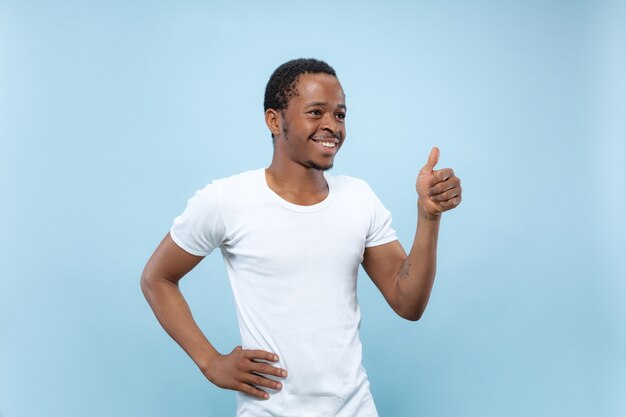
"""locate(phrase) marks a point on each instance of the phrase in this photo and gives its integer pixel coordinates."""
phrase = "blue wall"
(113, 113)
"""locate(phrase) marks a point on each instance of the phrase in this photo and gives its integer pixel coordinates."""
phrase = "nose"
(330, 124)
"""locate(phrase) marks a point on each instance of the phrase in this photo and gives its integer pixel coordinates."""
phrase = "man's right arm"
(239, 369)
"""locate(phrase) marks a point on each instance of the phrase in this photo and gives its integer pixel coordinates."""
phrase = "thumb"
(433, 158)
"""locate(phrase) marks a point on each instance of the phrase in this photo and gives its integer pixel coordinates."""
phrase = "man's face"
(313, 124)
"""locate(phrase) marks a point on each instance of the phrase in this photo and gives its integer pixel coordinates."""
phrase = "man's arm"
(239, 369)
(406, 281)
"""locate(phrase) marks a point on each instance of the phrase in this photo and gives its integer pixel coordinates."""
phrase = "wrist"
(422, 213)
(206, 363)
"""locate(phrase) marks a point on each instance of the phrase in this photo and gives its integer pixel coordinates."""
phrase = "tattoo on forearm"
(404, 269)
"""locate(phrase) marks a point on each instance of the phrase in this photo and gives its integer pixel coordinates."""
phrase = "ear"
(273, 121)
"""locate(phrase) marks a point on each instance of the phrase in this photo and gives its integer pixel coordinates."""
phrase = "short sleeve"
(380, 230)
(200, 227)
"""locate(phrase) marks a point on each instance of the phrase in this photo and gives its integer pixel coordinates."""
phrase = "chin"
(315, 165)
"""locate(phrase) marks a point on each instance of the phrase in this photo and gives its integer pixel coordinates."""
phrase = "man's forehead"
(340, 105)
(311, 85)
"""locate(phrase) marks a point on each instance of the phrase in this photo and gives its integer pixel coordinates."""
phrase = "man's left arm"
(406, 281)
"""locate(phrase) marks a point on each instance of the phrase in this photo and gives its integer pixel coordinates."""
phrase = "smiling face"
(310, 131)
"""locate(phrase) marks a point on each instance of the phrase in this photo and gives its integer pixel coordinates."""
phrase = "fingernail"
(278, 386)
(266, 396)
(284, 373)
(275, 358)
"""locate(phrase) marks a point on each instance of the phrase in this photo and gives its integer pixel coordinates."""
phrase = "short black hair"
(281, 86)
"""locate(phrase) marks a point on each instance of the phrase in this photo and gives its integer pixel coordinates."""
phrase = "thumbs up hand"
(437, 190)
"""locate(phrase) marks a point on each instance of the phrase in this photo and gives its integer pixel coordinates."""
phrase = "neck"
(296, 183)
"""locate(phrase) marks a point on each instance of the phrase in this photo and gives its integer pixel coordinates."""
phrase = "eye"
(341, 116)
(316, 112)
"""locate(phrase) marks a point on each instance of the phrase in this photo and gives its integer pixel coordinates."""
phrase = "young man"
(292, 237)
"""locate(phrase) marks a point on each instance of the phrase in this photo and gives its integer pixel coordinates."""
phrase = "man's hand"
(438, 190)
(240, 371)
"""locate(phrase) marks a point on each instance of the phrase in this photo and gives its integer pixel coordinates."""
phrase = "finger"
(260, 354)
(263, 368)
(451, 203)
(261, 381)
(444, 186)
(445, 196)
(433, 158)
(250, 390)
(441, 175)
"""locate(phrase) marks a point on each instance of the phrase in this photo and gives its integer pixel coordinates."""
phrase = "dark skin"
(316, 116)
(308, 134)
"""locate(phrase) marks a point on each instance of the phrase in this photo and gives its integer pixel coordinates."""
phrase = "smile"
(330, 144)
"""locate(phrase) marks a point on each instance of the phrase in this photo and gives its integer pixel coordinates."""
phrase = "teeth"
(325, 144)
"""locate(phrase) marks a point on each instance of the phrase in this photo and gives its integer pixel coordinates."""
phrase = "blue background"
(113, 113)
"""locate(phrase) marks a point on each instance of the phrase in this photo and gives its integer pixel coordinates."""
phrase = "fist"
(437, 190)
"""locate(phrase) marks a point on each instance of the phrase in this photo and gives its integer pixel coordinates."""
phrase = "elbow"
(144, 284)
(411, 314)
(412, 317)
(154, 282)
(147, 283)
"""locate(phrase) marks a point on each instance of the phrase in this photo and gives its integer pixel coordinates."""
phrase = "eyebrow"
(321, 103)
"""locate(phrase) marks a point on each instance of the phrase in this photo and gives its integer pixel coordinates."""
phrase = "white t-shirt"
(293, 272)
